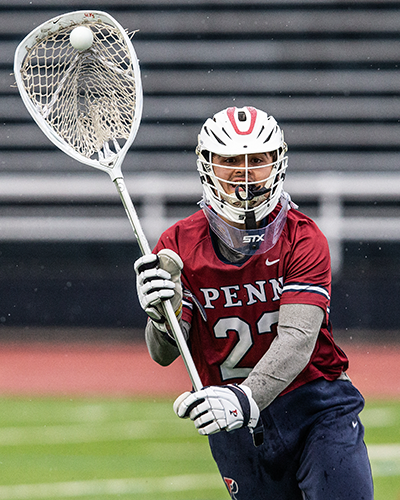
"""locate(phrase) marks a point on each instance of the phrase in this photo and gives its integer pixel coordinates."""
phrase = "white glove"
(158, 279)
(217, 408)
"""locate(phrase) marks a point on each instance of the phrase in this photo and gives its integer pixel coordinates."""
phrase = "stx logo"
(253, 238)
(232, 486)
(233, 412)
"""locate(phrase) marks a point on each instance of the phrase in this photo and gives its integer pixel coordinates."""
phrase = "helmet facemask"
(246, 198)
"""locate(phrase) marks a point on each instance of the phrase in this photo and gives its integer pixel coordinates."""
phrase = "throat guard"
(249, 241)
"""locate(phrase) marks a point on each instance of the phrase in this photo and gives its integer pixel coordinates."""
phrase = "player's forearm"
(161, 348)
(289, 353)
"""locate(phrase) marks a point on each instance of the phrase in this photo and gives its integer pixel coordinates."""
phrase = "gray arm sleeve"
(289, 353)
(160, 348)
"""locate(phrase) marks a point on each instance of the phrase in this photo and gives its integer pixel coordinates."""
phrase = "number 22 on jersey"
(229, 368)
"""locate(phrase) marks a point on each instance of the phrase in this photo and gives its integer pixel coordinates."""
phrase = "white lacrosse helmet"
(234, 132)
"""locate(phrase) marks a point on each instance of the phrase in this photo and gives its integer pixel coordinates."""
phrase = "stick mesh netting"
(88, 98)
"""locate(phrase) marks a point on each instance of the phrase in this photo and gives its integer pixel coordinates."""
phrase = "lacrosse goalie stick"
(89, 104)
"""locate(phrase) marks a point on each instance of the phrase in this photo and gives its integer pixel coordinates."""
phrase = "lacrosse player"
(249, 278)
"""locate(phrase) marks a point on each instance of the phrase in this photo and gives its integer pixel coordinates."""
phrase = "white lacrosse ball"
(81, 38)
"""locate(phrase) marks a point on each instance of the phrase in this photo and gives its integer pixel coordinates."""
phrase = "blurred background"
(328, 72)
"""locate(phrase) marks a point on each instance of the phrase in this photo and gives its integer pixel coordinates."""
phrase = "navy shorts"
(313, 448)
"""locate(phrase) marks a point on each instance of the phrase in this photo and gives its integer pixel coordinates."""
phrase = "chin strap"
(252, 192)
(250, 220)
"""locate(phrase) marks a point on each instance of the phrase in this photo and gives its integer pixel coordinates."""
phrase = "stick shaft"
(168, 309)
(182, 345)
(132, 216)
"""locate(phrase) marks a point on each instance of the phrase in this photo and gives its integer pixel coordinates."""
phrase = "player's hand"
(217, 408)
(158, 279)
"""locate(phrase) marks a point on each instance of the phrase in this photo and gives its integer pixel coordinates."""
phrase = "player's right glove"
(217, 408)
(158, 279)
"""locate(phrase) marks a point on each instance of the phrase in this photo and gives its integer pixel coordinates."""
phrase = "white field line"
(385, 462)
(84, 433)
(385, 459)
(384, 451)
(379, 417)
(131, 429)
(133, 486)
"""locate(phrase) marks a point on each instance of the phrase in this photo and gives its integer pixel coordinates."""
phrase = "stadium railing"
(86, 207)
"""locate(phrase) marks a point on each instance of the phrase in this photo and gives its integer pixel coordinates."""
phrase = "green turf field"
(107, 449)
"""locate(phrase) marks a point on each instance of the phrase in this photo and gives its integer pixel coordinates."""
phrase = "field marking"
(378, 417)
(385, 462)
(384, 451)
(85, 433)
(130, 486)
(385, 459)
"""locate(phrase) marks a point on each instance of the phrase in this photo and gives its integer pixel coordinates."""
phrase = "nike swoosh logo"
(271, 262)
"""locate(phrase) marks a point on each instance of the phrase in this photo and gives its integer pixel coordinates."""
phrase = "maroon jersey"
(241, 302)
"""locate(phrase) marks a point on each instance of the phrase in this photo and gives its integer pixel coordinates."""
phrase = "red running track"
(39, 369)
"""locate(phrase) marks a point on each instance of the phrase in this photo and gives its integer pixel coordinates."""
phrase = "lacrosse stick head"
(88, 103)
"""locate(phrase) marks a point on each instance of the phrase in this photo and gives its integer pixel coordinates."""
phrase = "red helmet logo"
(231, 115)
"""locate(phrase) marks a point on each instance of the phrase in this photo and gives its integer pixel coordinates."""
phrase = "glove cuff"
(159, 325)
(253, 409)
(255, 423)
(160, 322)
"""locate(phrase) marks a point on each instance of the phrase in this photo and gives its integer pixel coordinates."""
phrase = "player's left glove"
(159, 279)
(217, 408)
